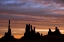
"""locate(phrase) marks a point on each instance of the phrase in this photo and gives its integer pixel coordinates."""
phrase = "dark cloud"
(56, 1)
(59, 1)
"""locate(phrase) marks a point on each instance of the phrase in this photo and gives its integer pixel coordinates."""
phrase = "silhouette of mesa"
(31, 34)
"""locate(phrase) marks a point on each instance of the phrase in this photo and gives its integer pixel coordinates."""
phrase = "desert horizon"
(18, 32)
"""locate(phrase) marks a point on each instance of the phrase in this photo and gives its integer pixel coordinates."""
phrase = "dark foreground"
(34, 41)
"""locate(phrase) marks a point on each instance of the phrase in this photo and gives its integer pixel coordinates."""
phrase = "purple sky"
(40, 13)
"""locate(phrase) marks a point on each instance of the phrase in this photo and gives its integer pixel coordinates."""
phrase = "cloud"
(40, 13)
(23, 6)
(10, 9)
(31, 10)
(56, 1)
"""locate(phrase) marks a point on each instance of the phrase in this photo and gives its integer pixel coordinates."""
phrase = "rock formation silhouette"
(8, 35)
(56, 32)
(31, 34)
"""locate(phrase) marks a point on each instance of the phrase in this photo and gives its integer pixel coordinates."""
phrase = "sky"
(42, 14)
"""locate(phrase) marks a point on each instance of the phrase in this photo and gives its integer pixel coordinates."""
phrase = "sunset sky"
(43, 14)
